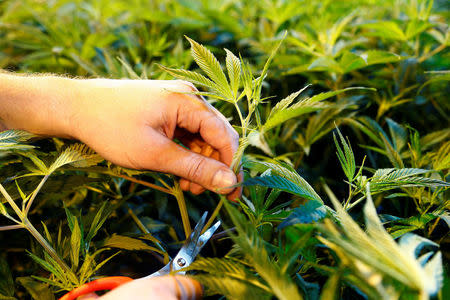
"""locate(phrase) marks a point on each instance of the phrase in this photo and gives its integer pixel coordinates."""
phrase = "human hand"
(156, 288)
(132, 123)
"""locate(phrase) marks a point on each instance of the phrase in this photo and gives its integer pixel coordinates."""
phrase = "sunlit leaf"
(282, 178)
(304, 106)
(385, 29)
(385, 179)
(11, 140)
(234, 71)
(191, 76)
(378, 251)
(210, 65)
(78, 155)
(345, 156)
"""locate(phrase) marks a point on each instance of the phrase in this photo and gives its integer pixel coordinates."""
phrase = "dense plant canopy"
(342, 109)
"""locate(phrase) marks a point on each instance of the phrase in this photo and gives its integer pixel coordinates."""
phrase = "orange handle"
(108, 283)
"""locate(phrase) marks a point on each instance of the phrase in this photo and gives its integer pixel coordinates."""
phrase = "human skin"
(157, 288)
(131, 123)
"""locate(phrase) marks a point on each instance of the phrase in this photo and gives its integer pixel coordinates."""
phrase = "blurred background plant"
(284, 238)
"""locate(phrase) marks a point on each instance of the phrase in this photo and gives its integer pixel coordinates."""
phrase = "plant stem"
(25, 223)
(11, 202)
(433, 226)
(241, 118)
(11, 227)
(356, 202)
(36, 191)
(430, 54)
(142, 182)
(178, 193)
(47, 247)
(214, 214)
(132, 179)
(349, 196)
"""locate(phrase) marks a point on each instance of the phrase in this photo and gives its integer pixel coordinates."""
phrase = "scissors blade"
(190, 249)
(191, 242)
(204, 238)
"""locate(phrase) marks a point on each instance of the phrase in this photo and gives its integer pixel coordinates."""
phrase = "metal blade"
(191, 248)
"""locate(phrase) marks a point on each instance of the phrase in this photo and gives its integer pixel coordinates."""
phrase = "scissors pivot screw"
(190, 249)
(181, 262)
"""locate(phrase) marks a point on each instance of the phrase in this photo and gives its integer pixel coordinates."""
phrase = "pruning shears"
(190, 249)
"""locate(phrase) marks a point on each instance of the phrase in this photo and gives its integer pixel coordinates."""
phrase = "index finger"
(197, 116)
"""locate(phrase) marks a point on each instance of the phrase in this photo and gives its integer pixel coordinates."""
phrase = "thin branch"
(10, 227)
(178, 193)
(129, 178)
(356, 202)
(241, 118)
(11, 202)
(214, 214)
(430, 54)
(12, 219)
(36, 191)
(49, 249)
(142, 182)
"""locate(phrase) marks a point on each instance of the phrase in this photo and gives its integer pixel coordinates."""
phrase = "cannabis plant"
(342, 111)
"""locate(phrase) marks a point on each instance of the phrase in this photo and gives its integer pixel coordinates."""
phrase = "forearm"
(41, 104)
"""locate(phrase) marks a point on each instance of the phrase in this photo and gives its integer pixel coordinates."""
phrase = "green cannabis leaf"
(11, 140)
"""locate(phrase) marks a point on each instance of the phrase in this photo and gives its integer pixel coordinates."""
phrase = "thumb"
(207, 172)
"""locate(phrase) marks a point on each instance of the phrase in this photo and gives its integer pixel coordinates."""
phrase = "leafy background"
(334, 172)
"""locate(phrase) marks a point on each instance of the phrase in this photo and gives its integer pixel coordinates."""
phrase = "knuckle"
(185, 86)
(197, 167)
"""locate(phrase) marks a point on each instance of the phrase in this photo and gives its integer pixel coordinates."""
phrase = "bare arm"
(129, 122)
(38, 104)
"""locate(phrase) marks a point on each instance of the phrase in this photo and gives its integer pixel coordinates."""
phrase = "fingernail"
(223, 179)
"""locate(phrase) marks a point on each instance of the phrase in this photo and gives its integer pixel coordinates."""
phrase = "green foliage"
(36, 289)
(289, 74)
(6, 281)
(374, 252)
(272, 280)
(10, 140)
(385, 179)
(304, 106)
(345, 156)
(311, 211)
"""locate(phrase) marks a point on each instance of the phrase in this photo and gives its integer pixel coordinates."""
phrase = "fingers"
(157, 288)
(197, 116)
(221, 141)
(198, 146)
(193, 187)
(237, 192)
(207, 172)
(187, 288)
